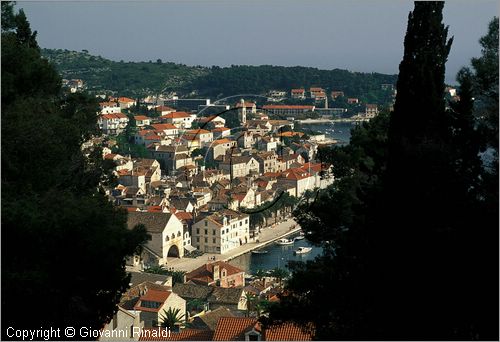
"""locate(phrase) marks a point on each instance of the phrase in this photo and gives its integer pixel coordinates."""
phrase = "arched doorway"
(173, 251)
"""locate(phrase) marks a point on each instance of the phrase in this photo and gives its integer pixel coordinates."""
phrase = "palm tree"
(171, 318)
(259, 274)
(250, 299)
(280, 274)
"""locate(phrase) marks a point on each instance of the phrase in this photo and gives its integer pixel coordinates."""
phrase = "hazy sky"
(356, 35)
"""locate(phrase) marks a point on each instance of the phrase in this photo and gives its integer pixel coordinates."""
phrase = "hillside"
(126, 78)
(139, 78)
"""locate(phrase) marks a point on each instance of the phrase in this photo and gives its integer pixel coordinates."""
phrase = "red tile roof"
(198, 131)
(298, 90)
(184, 216)
(114, 116)
(162, 127)
(177, 115)
(233, 328)
(125, 99)
(295, 174)
(221, 141)
(141, 117)
(204, 273)
(159, 334)
(152, 296)
(287, 332)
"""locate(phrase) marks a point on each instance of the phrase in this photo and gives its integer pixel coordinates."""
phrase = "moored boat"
(302, 250)
(284, 242)
(260, 252)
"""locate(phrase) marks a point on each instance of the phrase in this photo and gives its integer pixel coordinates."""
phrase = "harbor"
(267, 236)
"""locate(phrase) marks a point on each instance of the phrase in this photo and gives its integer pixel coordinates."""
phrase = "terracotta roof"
(233, 328)
(125, 99)
(371, 106)
(313, 89)
(295, 174)
(204, 273)
(160, 334)
(114, 116)
(184, 216)
(177, 115)
(287, 332)
(198, 131)
(110, 156)
(141, 117)
(162, 127)
(298, 90)
(221, 141)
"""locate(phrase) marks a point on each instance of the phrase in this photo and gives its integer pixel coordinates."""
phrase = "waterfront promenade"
(320, 121)
(267, 235)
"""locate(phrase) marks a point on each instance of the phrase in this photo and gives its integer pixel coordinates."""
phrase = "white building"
(221, 232)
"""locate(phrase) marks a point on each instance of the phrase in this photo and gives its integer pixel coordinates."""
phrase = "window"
(206, 223)
(197, 239)
(206, 240)
(178, 233)
(213, 232)
(241, 223)
(213, 240)
(246, 220)
(198, 231)
(206, 231)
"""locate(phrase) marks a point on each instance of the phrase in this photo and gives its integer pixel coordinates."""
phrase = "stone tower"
(242, 112)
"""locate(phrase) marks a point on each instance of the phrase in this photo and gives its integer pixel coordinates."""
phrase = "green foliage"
(53, 202)
(171, 318)
(177, 276)
(141, 78)
(408, 200)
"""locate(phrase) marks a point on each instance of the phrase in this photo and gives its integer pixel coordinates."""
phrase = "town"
(210, 181)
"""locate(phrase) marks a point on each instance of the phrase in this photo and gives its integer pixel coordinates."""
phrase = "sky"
(358, 35)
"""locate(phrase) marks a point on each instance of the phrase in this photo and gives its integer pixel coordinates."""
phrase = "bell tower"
(242, 112)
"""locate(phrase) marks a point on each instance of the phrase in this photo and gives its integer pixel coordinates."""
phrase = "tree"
(404, 208)
(53, 198)
(171, 318)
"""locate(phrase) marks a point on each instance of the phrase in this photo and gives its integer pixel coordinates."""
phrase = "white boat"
(284, 242)
(302, 250)
(260, 252)
(300, 236)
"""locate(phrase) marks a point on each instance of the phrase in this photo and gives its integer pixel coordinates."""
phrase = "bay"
(277, 256)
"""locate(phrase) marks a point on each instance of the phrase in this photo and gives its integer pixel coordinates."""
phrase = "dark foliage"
(409, 233)
(63, 243)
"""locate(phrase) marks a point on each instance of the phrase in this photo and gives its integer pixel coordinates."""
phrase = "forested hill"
(137, 78)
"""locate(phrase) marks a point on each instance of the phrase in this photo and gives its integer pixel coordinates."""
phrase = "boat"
(284, 242)
(260, 252)
(302, 250)
(300, 236)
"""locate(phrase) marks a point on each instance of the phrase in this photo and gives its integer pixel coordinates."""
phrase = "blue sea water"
(277, 256)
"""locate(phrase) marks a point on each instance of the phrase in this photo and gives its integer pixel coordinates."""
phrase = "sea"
(277, 256)
(340, 131)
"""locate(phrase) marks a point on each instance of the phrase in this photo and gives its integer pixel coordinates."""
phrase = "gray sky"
(357, 35)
